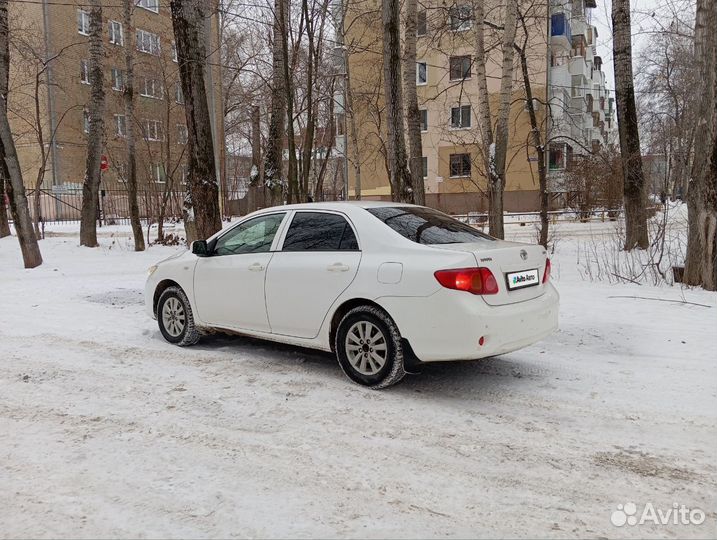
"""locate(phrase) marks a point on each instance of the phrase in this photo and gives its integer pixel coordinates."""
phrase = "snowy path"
(107, 431)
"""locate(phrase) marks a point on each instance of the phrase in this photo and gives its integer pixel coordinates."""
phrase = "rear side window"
(316, 231)
(428, 226)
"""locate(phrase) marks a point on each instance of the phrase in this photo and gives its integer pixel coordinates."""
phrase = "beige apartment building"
(49, 64)
(447, 94)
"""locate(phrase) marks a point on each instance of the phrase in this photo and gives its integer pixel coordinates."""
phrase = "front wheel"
(368, 347)
(175, 318)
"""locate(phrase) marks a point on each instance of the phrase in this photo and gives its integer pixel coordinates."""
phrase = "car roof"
(336, 205)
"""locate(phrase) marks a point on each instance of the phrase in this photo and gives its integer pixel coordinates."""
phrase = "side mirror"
(200, 248)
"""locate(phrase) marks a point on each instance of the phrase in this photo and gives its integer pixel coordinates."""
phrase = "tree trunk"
(399, 176)
(4, 75)
(11, 171)
(634, 179)
(273, 159)
(201, 203)
(91, 186)
(537, 142)
(495, 147)
(129, 121)
(349, 109)
(4, 224)
(701, 260)
(413, 115)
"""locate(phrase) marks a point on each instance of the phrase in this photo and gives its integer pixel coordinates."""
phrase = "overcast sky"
(642, 19)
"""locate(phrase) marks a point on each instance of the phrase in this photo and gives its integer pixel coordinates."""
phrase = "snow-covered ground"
(108, 431)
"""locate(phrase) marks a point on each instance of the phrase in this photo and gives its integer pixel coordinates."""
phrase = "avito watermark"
(678, 514)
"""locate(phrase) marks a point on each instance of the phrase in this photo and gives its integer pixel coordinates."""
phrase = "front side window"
(182, 134)
(178, 95)
(317, 231)
(253, 236)
(428, 226)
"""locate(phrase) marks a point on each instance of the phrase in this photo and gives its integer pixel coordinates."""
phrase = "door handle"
(256, 267)
(337, 267)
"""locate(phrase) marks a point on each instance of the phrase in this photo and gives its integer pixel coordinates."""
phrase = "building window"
(152, 130)
(148, 42)
(151, 5)
(85, 71)
(178, 94)
(86, 121)
(184, 173)
(421, 73)
(120, 125)
(117, 79)
(423, 113)
(421, 23)
(460, 17)
(556, 157)
(83, 22)
(182, 134)
(175, 57)
(116, 33)
(460, 165)
(159, 175)
(424, 166)
(460, 67)
(461, 117)
(151, 88)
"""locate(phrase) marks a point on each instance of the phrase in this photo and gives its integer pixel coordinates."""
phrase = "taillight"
(472, 280)
(546, 274)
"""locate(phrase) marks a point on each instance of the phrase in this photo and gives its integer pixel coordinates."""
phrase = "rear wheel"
(175, 318)
(368, 347)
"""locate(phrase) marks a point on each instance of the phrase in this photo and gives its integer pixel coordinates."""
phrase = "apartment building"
(50, 88)
(582, 107)
(448, 97)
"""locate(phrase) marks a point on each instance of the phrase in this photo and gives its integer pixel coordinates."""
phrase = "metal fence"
(66, 205)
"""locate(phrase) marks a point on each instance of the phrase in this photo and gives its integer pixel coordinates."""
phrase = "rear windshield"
(427, 226)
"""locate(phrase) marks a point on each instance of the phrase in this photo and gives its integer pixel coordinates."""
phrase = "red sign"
(104, 163)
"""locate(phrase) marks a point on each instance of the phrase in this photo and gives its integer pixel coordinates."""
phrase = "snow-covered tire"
(362, 365)
(175, 318)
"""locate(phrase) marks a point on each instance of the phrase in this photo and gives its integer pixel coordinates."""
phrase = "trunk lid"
(521, 264)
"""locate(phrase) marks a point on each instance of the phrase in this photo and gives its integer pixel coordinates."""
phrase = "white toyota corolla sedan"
(385, 286)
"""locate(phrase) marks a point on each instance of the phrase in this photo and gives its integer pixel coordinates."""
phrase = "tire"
(175, 318)
(362, 360)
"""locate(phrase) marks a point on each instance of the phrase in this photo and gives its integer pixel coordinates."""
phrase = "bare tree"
(634, 184)
(495, 144)
(701, 263)
(4, 224)
(400, 176)
(201, 205)
(273, 163)
(413, 115)
(128, 6)
(8, 158)
(96, 110)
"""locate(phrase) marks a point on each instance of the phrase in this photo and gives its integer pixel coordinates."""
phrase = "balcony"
(578, 66)
(560, 34)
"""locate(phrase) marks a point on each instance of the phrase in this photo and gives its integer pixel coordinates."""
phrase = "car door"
(318, 260)
(229, 284)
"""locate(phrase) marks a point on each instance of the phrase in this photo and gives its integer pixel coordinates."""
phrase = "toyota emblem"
(523, 254)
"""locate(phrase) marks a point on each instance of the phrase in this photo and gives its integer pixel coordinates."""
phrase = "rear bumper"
(449, 324)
